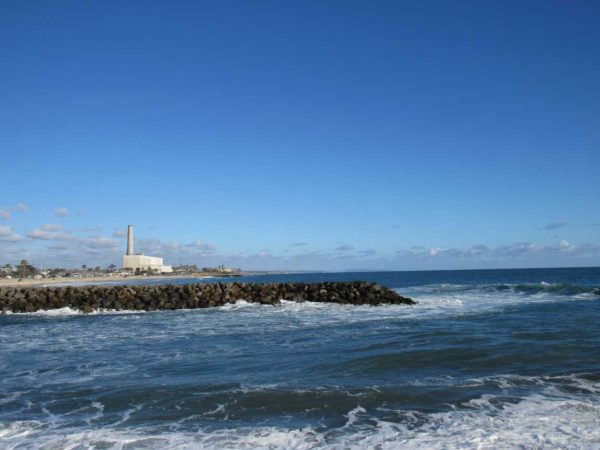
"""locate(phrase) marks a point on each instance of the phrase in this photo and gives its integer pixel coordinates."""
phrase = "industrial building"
(140, 261)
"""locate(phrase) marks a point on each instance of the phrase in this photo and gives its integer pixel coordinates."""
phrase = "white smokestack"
(129, 240)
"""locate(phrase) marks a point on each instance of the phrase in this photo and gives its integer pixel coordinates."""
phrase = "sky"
(301, 135)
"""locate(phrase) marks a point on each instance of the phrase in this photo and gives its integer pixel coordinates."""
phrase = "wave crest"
(565, 289)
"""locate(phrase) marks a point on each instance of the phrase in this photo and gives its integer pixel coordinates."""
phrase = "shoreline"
(30, 282)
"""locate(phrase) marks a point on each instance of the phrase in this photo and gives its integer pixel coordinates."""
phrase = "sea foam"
(536, 421)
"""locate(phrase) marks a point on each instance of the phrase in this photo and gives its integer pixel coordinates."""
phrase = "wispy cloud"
(554, 225)
(51, 227)
(435, 251)
(50, 232)
(8, 235)
(101, 242)
(479, 249)
(6, 213)
(89, 229)
(511, 251)
(65, 245)
(203, 247)
(176, 250)
(61, 212)
(53, 243)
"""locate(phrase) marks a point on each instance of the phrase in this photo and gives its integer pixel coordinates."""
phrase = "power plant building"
(140, 261)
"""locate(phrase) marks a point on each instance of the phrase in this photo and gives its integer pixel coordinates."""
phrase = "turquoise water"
(488, 359)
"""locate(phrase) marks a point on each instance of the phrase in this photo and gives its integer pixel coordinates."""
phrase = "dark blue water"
(488, 359)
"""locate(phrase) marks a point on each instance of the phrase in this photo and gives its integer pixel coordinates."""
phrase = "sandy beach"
(30, 282)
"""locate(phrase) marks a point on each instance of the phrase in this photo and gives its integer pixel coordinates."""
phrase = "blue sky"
(301, 135)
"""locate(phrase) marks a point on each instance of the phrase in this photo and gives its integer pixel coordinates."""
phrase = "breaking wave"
(527, 289)
(491, 361)
(552, 418)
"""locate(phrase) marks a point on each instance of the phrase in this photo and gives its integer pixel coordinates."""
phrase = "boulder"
(201, 295)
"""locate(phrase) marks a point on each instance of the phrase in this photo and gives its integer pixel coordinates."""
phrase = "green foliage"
(24, 269)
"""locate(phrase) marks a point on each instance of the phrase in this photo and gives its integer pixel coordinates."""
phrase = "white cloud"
(518, 249)
(566, 246)
(175, 251)
(101, 242)
(61, 212)
(6, 213)
(172, 245)
(203, 247)
(60, 246)
(479, 249)
(92, 229)
(7, 235)
(49, 235)
(51, 227)
(68, 247)
(511, 252)
(13, 238)
(437, 251)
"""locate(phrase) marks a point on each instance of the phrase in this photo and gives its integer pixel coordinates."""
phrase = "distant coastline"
(31, 282)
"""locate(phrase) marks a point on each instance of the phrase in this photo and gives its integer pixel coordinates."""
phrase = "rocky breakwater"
(189, 296)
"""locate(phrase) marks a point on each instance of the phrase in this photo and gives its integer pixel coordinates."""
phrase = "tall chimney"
(129, 240)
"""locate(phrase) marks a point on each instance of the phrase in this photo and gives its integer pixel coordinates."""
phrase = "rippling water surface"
(488, 359)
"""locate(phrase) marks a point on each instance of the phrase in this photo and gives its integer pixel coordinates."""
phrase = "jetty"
(190, 296)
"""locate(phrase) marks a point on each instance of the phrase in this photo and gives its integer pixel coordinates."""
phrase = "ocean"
(487, 359)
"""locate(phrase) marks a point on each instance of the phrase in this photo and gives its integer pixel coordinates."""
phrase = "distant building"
(142, 262)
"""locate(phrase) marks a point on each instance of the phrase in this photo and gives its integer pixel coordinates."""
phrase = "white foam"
(240, 304)
(67, 311)
(548, 419)
(353, 415)
(433, 300)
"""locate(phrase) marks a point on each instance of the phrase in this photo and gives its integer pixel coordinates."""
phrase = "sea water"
(486, 359)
